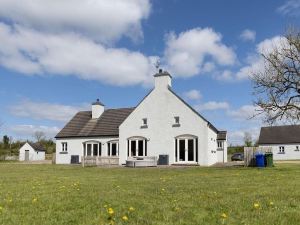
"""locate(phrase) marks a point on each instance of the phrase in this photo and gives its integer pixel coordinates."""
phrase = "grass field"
(52, 194)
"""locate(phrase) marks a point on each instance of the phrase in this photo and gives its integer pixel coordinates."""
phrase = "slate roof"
(221, 135)
(37, 147)
(82, 124)
(279, 135)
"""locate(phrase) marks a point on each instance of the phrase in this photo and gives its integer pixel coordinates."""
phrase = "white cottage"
(161, 124)
(284, 141)
(31, 152)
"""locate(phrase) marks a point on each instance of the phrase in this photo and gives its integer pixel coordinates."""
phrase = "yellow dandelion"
(110, 211)
(34, 200)
(177, 209)
(223, 215)
(256, 205)
(271, 203)
(131, 209)
(162, 189)
(125, 218)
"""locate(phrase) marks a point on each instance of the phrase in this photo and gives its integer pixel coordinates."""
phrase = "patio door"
(186, 149)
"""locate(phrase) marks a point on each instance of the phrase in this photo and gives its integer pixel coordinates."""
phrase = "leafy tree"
(277, 86)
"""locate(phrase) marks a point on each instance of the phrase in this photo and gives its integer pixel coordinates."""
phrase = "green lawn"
(52, 194)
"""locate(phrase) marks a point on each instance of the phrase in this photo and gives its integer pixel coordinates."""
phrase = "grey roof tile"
(82, 124)
(279, 134)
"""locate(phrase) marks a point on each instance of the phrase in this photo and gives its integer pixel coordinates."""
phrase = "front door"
(26, 155)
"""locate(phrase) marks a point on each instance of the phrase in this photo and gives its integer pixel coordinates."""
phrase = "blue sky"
(59, 56)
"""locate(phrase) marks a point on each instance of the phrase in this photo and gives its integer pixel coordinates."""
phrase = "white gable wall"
(290, 152)
(33, 155)
(160, 107)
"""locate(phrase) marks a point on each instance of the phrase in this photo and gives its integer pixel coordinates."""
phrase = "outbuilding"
(31, 152)
(284, 141)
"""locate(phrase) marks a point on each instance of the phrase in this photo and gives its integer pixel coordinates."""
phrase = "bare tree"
(277, 86)
(247, 139)
(39, 136)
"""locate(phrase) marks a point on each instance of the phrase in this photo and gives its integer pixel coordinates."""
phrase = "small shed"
(31, 152)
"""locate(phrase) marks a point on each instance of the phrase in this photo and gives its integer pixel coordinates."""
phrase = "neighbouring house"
(284, 141)
(161, 124)
(31, 152)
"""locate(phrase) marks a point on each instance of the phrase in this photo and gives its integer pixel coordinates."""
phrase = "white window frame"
(281, 150)
(64, 146)
(136, 140)
(109, 148)
(220, 144)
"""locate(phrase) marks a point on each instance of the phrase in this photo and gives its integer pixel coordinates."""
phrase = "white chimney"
(162, 80)
(97, 109)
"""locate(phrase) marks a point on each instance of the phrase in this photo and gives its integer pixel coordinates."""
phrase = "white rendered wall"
(289, 151)
(33, 155)
(160, 108)
(75, 147)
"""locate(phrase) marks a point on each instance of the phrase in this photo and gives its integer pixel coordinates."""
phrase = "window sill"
(176, 125)
(144, 126)
(63, 153)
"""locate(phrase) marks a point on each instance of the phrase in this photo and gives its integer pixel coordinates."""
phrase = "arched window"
(186, 148)
(92, 148)
(136, 146)
(113, 148)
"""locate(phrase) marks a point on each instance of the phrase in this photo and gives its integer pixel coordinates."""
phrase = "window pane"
(190, 150)
(140, 148)
(95, 152)
(89, 150)
(181, 150)
(133, 148)
(113, 149)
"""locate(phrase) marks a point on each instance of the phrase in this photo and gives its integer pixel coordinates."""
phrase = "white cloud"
(245, 112)
(26, 131)
(32, 52)
(196, 51)
(193, 94)
(212, 105)
(290, 8)
(46, 111)
(102, 20)
(256, 61)
(225, 75)
(248, 35)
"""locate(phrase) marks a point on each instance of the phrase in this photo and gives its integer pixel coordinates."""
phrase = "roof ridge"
(290, 125)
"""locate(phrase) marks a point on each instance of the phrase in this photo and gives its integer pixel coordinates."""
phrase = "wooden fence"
(250, 152)
(99, 161)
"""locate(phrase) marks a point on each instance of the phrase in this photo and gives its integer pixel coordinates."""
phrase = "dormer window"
(176, 121)
(145, 123)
